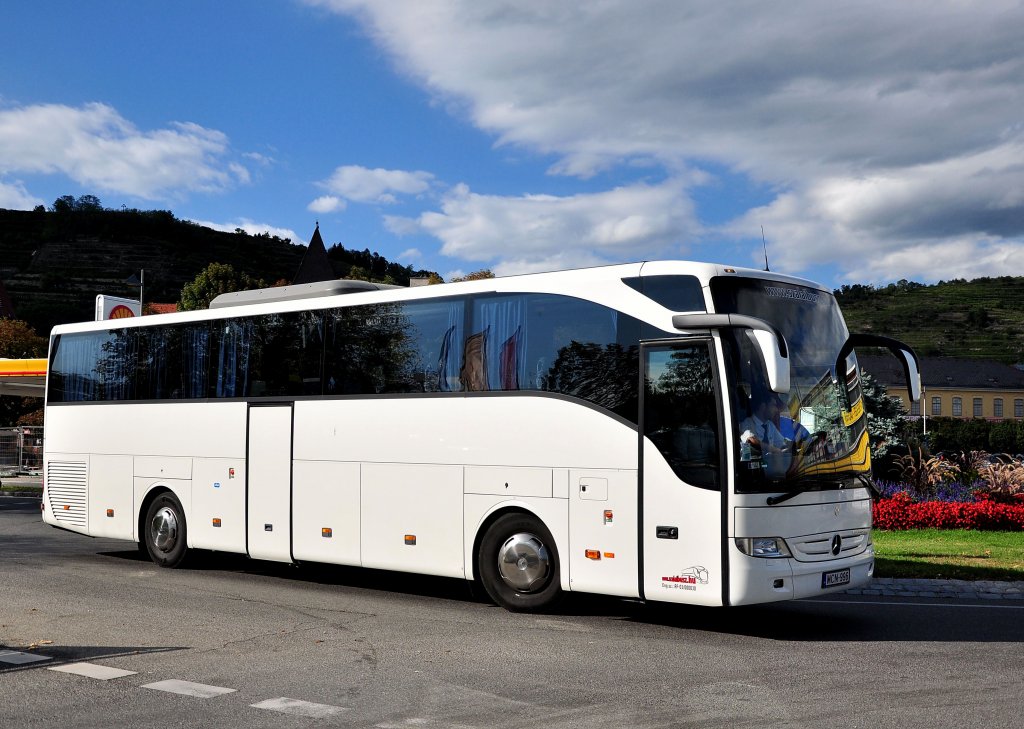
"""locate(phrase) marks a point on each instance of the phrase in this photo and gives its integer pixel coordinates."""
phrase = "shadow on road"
(826, 620)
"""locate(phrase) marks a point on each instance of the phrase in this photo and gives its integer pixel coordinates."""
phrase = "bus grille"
(818, 547)
(67, 491)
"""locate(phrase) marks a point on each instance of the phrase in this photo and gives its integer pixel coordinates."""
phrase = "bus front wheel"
(165, 532)
(518, 564)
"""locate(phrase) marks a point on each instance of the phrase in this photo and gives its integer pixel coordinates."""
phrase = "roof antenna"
(765, 244)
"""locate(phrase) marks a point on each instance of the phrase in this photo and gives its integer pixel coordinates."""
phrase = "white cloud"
(535, 232)
(253, 228)
(881, 125)
(410, 254)
(955, 218)
(98, 148)
(362, 184)
(401, 225)
(946, 259)
(326, 204)
(13, 196)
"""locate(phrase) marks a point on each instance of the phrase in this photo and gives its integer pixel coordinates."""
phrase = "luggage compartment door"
(269, 486)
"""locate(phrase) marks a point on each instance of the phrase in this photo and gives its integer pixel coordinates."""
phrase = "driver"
(759, 430)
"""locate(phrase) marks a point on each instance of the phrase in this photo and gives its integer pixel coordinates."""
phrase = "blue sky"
(872, 141)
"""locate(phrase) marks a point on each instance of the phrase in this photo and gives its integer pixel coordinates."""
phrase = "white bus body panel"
(268, 485)
(603, 515)
(111, 507)
(173, 430)
(687, 569)
(218, 498)
(520, 430)
(421, 501)
(326, 495)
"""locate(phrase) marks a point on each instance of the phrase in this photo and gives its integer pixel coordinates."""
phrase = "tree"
(88, 202)
(70, 204)
(212, 281)
(19, 341)
(887, 418)
(64, 204)
(475, 276)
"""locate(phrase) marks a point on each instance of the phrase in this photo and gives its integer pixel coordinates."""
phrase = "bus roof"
(297, 291)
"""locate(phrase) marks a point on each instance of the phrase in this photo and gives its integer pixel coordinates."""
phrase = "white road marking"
(302, 708)
(199, 690)
(916, 604)
(18, 658)
(92, 670)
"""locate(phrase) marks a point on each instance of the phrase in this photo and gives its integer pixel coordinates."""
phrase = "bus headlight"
(770, 547)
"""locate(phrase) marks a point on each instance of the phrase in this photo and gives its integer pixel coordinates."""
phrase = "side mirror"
(769, 340)
(904, 353)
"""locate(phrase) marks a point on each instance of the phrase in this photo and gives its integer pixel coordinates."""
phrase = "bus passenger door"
(269, 485)
(682, 478)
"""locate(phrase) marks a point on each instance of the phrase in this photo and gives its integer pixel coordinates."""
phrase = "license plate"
(835, 578)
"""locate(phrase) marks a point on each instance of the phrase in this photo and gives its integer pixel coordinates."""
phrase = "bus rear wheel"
(518, 564)
(165, 531)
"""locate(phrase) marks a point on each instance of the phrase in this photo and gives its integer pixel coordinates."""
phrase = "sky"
(858, 142)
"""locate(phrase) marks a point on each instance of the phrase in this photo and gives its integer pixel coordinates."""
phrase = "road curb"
(943, 589)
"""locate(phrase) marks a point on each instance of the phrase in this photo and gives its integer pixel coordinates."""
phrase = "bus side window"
(584, 350)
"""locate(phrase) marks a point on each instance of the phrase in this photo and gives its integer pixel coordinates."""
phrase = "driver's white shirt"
(764, 430)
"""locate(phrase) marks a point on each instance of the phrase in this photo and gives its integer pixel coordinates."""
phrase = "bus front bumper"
(754, 580)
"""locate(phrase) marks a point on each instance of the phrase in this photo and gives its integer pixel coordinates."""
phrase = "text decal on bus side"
(687, 579)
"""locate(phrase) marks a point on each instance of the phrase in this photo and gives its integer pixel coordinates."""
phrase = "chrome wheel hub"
(164, 529)
(524, 562)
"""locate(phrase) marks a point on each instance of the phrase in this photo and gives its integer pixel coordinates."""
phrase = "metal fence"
(21, 450)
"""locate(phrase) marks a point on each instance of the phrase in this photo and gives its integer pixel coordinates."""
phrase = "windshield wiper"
(870, 484)
(811, 486)
(773, 500)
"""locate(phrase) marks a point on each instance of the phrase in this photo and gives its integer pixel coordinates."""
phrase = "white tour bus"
(671, 431)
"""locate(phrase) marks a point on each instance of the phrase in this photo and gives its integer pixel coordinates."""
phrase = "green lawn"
(949, 553)
(13, 488)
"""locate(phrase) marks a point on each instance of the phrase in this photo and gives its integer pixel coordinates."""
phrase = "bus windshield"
(814, 436)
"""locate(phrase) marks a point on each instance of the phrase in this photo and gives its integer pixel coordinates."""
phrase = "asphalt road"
(278, 646)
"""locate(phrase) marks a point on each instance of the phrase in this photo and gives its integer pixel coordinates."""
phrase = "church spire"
(315, 266)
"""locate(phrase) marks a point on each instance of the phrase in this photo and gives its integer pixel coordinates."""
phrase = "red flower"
(901, 512)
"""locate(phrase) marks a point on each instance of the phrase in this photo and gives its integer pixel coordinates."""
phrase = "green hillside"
(979, 319)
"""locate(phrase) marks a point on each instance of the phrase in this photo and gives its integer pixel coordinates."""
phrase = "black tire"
(518, 564)
(165, 532)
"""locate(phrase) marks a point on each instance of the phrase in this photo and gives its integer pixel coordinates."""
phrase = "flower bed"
(963, 491)
(900, 511)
